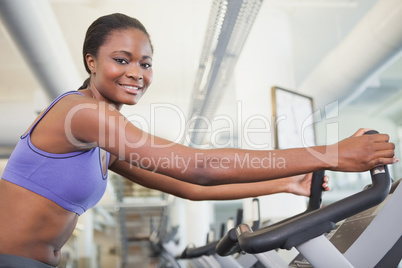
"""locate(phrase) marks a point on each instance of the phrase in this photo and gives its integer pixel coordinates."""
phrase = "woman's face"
(122, 71)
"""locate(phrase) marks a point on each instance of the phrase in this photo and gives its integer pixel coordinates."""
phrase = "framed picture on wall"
(294, 119)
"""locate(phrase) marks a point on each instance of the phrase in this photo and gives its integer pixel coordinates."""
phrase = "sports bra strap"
(48, 108)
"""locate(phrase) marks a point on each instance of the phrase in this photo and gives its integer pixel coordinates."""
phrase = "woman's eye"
(122, 61)
(147, 65)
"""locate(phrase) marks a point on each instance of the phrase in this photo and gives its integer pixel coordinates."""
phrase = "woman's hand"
(362, 152)
(301, 184)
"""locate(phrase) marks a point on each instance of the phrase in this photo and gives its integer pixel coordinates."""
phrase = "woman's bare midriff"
(32, 226)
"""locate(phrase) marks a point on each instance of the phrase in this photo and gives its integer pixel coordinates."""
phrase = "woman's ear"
(90, 60)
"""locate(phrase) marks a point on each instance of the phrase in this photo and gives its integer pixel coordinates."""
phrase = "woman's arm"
(100, 124)
(299, 185)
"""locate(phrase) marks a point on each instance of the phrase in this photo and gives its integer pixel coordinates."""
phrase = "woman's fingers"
(325, 184)
(383, 161)
(361, 132)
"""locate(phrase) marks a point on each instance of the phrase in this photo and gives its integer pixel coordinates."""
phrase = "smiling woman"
(120, 68)
(59, 166)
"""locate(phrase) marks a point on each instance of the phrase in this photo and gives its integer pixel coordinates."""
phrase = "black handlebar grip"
(206, 250)
(228, 245)
(316, 191)
(369, 132)
(222, 233)
(239, 216)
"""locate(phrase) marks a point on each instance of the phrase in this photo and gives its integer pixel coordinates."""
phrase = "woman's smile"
(132, 89)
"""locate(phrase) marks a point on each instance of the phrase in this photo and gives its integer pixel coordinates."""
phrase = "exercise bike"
(373, 241)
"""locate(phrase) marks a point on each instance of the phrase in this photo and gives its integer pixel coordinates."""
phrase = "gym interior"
(273, 70)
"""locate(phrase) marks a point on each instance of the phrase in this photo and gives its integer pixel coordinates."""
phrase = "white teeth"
(130, 87)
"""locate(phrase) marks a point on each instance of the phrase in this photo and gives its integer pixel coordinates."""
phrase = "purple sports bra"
(74, 181)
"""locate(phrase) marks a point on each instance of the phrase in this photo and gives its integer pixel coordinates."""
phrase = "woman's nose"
(135, 72)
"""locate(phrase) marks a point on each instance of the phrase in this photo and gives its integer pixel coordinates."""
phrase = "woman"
(59, 168)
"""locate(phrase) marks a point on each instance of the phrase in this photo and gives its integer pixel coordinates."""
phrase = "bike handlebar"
(307, 225)
(206, 250)
(228, 244)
